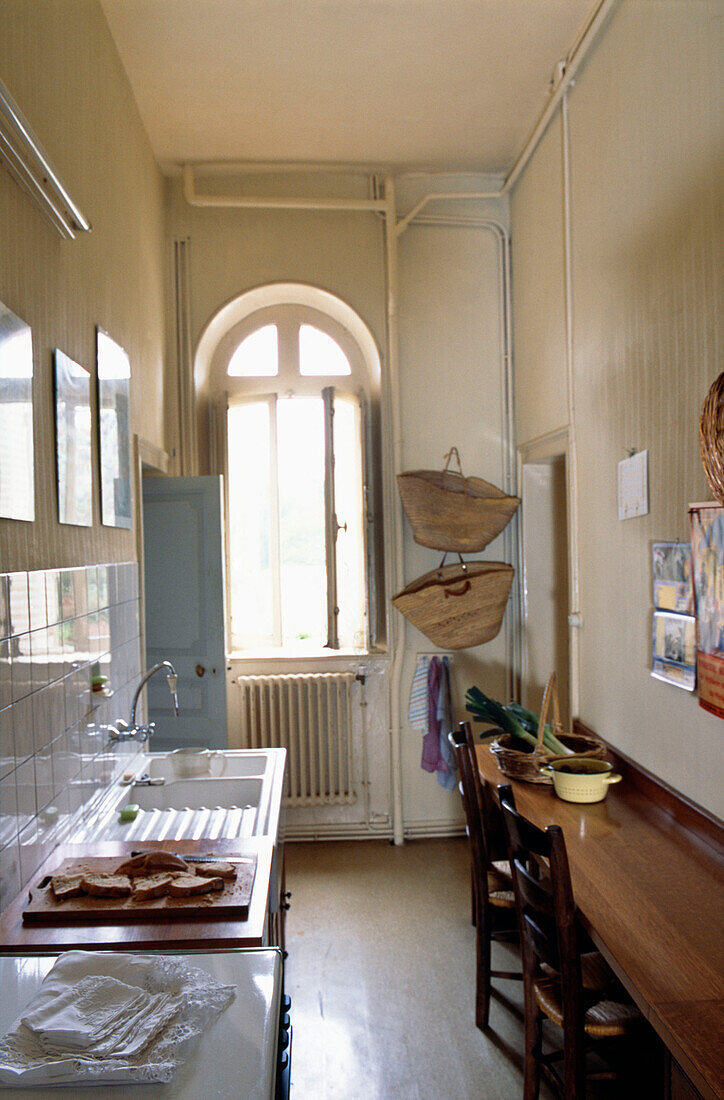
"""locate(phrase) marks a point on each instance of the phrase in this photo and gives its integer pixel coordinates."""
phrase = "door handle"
(200, 670)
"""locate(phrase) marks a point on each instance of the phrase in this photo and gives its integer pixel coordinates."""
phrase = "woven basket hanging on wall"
(711, 437)
(456, 606)
(451, 512)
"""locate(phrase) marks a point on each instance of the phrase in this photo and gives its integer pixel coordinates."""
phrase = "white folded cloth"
(99, 1015)
(110, 1017)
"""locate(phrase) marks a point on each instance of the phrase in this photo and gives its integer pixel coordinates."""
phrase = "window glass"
(300, 428)
(348, 494)
(319, 354)
(251, 573)
(297, 580)
(256, 355)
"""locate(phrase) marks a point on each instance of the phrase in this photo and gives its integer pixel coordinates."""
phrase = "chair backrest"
(491, 820)
(458, 740)
(544, 899)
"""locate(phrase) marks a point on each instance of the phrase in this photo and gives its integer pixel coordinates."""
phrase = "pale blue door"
(185, 616)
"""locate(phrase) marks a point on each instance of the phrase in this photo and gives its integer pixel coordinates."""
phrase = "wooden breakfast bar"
(647, 869)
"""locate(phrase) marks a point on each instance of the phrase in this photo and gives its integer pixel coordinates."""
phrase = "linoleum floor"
(382, 979)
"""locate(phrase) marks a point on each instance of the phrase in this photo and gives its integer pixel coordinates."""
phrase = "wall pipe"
(574, 595)
(509, 471)
(394, 556)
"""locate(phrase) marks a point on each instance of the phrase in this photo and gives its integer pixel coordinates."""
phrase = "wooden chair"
(492, 886)
(578, 992)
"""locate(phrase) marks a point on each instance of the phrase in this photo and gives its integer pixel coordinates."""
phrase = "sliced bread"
(151, 886)
(106, 886)
(215, 870)
(151, 863)
(186, 886)
(67, 886)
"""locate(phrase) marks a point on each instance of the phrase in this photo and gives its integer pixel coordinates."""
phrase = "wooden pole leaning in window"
(330, 519)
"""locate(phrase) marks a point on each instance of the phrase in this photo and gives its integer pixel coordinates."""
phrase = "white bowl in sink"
(239, 763)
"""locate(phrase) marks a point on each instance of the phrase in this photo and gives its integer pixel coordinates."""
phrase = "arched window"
(295, 411)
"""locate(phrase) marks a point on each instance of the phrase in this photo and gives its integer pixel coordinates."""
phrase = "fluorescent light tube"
(28, 163)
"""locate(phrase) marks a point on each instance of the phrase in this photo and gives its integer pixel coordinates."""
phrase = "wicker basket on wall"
(456, 606)
(526, 765)
(711, 437)
(448, 511)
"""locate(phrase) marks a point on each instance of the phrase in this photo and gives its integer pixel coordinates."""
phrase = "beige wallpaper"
(59, 63)
(646, 126)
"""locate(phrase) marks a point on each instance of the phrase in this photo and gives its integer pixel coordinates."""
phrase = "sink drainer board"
(231, 903)
(198, 794)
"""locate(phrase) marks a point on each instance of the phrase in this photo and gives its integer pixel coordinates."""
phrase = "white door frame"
(543, 448)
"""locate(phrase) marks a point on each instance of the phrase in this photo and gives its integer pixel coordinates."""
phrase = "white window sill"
(290, 654)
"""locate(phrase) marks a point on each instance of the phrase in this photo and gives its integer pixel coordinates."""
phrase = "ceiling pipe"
(564, 74)
(264, 203)
(275, 167)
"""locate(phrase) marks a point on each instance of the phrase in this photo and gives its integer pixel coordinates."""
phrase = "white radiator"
(310, 715)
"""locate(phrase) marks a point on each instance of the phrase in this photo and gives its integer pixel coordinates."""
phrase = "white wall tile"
(9, 872)
(54, 756)
(18, 602)
(4, 607)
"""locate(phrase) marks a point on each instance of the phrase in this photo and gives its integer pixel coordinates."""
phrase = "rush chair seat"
(492, 887)
(576, 990)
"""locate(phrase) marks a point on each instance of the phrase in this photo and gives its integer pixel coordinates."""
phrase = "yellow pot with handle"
(580, 778)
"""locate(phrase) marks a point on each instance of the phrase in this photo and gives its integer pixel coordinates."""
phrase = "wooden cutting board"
(231, 903)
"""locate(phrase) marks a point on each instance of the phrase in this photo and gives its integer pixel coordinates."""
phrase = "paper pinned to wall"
(633, 486)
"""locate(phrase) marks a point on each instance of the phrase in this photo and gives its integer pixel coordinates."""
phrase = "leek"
(514, 719)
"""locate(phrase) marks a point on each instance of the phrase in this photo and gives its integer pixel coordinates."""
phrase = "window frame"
(289, 318)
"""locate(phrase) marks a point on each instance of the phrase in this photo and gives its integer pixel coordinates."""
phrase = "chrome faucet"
(131, 731)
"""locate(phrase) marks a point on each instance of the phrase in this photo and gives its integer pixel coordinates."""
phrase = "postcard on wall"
(674, 649)
(633, 486)
(707, 563)
(673, 590)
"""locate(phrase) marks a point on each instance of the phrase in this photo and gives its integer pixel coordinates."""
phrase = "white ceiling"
(453, 84)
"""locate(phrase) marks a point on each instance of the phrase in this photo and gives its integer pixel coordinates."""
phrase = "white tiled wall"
(59, 628)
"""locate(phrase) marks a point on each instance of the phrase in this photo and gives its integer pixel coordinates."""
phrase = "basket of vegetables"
(526, 740)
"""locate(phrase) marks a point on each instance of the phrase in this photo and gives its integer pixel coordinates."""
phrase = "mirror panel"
(17, 482)
(114, 397)
(73, 441)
